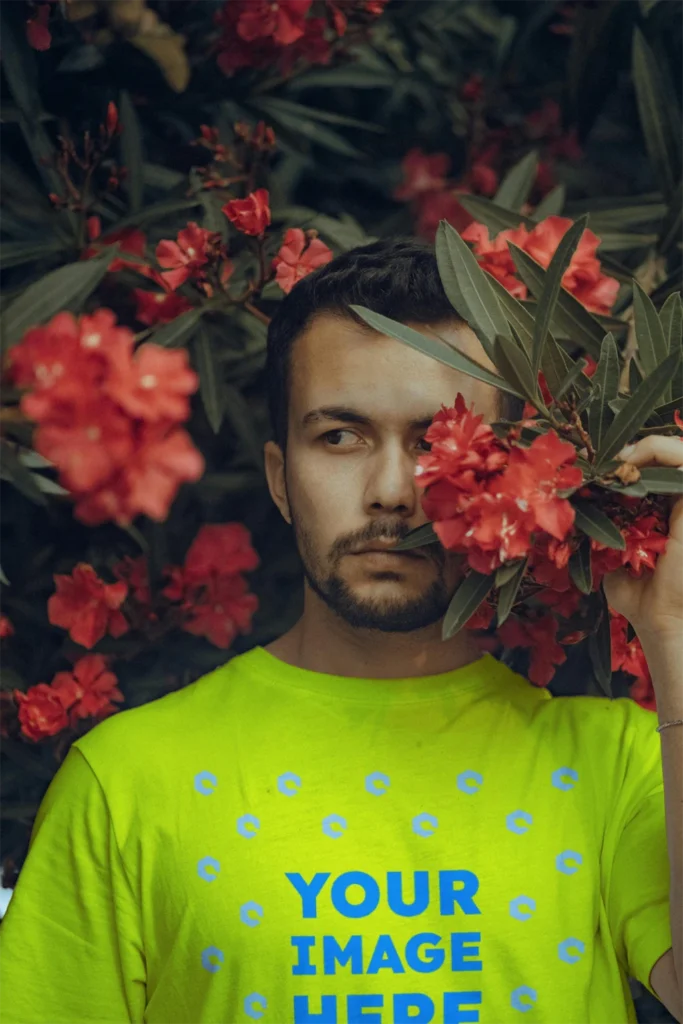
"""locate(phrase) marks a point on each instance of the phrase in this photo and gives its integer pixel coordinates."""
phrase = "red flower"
(313, 47)
(583, 277)
(678, 419)
(627, 655)
(464, 449)
(422, 173)
(540, 635)
(159, 307)
(482, 179)
(88, 690)
(129, 240)
(473, 88)
(41, 712)
(6, 627)
(37, 32)
(87, 443)
(135, 574)
(219, 548)
(112, 121)
(94, 228)
(645, 538)
(149, 481)
(87, 607)
(281, 19)
(154, 385)
(535, 475)
(224, 609)
(495, 255)
(186, 256)
(433, 207)
(295, 261)
(250, 215)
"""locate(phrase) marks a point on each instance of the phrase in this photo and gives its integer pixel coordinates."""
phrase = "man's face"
(359, 406)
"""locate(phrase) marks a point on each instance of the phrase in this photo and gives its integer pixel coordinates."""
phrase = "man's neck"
(323, 642)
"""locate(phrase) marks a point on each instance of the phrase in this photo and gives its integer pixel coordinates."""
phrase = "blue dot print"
(377, 783)
(254, 1005)
(205, 783)
(209, 957)
(334, 826)
(563, 950)
(425, 824)
(469, 781)
(248, 825)
(251, 913)
(521, 907)
(208, 868)
(289, 783)
(517, 820)
(561, 776)
(568, 862)
(523, 992)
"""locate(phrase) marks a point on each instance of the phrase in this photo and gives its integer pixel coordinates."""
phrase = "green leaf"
(552, 204)
(131, 153)
(625, 241)
(571, 378)
(177, 332)
(15, 254)
(209, 387)
(297, 127)
(508, 592)
(600, 647)
(436, 348)
(606, 377)
(641, 403)
(517, 315)
(580, 566)
(65, 288)
(24, 480)
(652, 344)
(465, 602)
(662, 479)
(670, 234)
(468, 288)
(571, 319)
(418, 538)
(659, 115)
(239, 415)
(300, 110)
(589, 519)
(671, 319)
(513, 363)
(551, 288)
(516, 185)
(495, 218)
(507, 571)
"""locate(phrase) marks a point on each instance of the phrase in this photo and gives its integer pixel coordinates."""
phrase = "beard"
(395, 615)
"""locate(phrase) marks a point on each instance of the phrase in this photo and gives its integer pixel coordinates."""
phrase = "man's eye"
(333, 437)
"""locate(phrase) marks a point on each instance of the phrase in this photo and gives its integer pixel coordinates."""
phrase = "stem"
(257, 313)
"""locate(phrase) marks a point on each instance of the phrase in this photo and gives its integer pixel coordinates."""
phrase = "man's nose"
(391, 483)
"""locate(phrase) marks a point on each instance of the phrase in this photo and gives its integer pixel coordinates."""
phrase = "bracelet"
(679, 721)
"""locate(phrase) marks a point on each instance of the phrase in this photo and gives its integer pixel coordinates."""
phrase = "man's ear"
(275, 475)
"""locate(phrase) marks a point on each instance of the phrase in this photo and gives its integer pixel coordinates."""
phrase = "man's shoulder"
(166, 723)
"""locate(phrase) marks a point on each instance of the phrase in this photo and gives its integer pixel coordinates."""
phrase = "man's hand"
(653, 604)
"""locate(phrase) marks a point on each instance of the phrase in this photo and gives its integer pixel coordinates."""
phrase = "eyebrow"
(345, 415)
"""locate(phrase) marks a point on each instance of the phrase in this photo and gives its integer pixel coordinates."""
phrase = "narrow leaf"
(418, 538)
(570, 318)
(658, 115)
(652, 344)
(177, 332)
(468, 288)
(552, 204)
(132, 153)
(600, 647)
(597, 525)
(580, 567)
(662, 479)
(512, 361)
(671, 318)
(508, 592)
(65, 288)
(495, 218)
(635, 412)
(434, 347)
(516, 185)
(208, 380)
(551, 287)
(465, 602)
(239, 414)
(606, 377)
(507, 571)
(571, 378)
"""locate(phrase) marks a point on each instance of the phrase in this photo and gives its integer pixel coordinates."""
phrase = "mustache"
(383, 531)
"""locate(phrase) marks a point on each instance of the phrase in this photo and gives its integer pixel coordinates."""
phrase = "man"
(359, 822)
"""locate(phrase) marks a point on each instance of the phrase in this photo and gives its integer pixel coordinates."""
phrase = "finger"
(665, 451)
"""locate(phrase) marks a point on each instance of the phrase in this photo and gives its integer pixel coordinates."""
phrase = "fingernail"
(626, 451)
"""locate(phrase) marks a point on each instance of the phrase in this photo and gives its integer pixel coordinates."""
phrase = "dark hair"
(396, 277)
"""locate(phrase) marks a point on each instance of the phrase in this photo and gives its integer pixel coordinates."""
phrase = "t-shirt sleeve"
(70, 940)
(638, 878)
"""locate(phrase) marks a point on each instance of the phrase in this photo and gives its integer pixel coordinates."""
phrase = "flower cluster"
(108, 416)
(300, 253)
(489, 497)
(87, 691)
(280, 33)
(87, 607)
(583, 277)
(497, 502)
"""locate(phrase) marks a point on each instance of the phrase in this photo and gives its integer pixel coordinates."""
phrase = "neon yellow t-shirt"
(287, 846)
